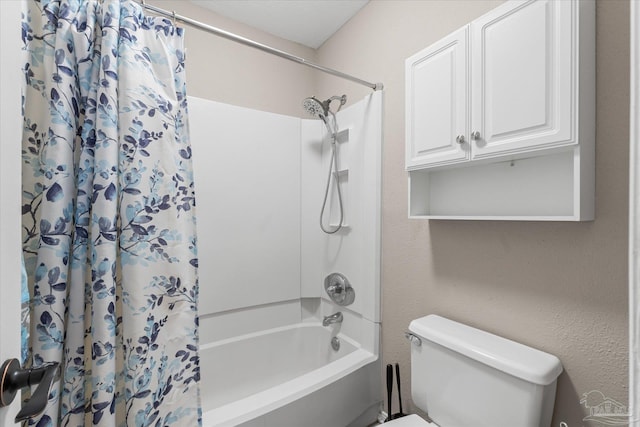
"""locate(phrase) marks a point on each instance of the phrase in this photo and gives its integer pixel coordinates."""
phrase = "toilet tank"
(462, 376)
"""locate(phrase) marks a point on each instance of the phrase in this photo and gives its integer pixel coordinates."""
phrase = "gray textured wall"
(559, 287)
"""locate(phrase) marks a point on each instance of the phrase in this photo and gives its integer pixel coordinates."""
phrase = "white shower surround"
(259, 180)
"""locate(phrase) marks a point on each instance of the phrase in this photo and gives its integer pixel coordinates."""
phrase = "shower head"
(314, 107)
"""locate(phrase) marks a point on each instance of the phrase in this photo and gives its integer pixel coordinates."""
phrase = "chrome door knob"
(460, 139)
(475, 136)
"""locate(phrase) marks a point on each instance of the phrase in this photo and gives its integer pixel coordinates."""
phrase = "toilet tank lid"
(500, 353)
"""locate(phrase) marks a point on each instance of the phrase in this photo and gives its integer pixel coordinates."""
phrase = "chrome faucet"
(334, 318)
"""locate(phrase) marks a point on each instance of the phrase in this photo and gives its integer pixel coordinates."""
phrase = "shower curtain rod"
(256, 45)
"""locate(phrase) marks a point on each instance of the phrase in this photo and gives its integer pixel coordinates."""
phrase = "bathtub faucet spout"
(334, 318)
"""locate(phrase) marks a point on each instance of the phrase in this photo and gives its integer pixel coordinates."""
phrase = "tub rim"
(255, 334)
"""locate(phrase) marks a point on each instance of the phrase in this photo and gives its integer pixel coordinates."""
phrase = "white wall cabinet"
(501, 116)
(522, 83)
(438, 94)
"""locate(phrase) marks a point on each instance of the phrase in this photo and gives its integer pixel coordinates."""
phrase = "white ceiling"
(308, 22)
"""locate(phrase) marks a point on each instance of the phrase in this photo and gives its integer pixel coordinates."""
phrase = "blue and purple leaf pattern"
(108, 211)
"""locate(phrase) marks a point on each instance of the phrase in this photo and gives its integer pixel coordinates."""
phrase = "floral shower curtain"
(108, 214)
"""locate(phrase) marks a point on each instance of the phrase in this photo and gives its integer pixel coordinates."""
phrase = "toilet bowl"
(464, 377)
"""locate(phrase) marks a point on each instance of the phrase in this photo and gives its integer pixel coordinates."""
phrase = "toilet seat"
(409, 421)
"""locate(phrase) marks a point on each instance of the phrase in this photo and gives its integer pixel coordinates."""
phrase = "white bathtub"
(288, 376)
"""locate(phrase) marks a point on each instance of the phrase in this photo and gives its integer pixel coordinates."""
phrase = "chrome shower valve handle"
(339, 289)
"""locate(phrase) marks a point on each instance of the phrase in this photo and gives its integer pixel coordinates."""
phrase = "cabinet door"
(437, 84)
(523, 79)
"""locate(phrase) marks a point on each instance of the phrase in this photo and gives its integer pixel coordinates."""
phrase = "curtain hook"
(174, 18)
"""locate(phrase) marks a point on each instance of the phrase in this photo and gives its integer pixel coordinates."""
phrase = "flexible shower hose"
(333, 167)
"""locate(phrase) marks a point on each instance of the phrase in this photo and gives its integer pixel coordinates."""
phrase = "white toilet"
(465, 377)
